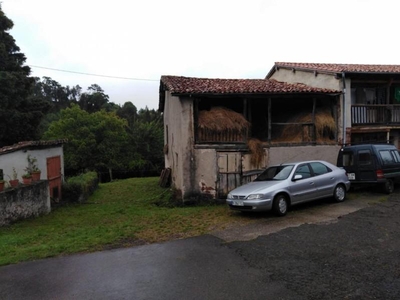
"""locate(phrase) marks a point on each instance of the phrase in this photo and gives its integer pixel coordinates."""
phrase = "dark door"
(366, 170)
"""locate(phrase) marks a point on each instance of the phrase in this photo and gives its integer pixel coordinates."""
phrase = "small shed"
(49, 158)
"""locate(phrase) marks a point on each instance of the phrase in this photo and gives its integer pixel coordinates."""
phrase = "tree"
(128, 112)
(94, 99)
(148, 141)
(147, 134)
(20, 112)
(94, 140)
(58, 96)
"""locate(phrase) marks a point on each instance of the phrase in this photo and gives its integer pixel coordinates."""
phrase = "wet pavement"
(349, 250)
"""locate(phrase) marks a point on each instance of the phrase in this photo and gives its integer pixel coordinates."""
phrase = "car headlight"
(255, 196)
(229, 196)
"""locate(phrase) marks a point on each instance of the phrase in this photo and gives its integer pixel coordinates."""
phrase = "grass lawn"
(118, 214)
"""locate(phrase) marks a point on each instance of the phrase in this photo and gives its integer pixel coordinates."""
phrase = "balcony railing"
(375, 114)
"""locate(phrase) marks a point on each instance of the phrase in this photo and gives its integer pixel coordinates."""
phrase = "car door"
(324, 179)
(303, 189)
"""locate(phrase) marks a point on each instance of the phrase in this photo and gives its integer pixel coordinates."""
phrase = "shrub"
(79, 188)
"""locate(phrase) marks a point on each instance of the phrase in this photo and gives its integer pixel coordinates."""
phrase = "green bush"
(79, 188)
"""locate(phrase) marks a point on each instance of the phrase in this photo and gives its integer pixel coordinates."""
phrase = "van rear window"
(348, 159)
(387, 157)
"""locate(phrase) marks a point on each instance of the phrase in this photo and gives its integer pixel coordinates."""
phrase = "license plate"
(351, 176)
(237, 203)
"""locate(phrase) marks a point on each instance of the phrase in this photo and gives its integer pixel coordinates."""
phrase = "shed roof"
(32, 144)
(337, 68)
(180, 86)
(192, 85)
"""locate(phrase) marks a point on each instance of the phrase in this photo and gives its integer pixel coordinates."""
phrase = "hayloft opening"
(273, 120)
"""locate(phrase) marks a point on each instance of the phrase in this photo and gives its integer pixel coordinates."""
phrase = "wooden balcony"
(375, 114)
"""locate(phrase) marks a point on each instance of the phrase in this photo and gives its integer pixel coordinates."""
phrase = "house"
(370, 99)
(50, 160)
(221, 133)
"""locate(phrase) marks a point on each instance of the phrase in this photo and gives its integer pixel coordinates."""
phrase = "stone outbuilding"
(221, 133)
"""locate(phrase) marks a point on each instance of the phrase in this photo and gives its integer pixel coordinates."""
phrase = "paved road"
(355, 256)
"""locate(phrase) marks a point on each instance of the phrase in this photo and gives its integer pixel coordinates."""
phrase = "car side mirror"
(297, 177)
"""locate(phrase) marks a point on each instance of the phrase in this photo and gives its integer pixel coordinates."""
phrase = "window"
(304, 171)
(368, 95)
(275, 173)
(387, 157)
(364, 158)
(348, 159)
(319, 168)
(396, 156)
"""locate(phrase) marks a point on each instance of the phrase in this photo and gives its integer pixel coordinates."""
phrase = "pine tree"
(20, 112)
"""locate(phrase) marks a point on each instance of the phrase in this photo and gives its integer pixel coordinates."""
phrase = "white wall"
(18, 160)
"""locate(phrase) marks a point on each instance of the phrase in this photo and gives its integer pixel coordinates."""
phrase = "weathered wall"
(325, 81)
(178, 135)
(278, 155)
(23, 202)
(206, 172)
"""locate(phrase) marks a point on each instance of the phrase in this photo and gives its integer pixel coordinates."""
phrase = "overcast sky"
(144, 39)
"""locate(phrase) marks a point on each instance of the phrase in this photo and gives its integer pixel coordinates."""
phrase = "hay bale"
(325, 127)
(256, 152)
(221, 119)
(220, 124)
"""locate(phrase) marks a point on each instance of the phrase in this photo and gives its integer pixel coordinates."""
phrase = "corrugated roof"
(191, 85)
(30, 144)
(339, 68)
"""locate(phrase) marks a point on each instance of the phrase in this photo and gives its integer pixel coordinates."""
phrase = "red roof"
(339, 68)
(191, 85)
(32, 144)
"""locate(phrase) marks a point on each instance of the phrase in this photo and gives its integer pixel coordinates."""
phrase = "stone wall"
(24, 201)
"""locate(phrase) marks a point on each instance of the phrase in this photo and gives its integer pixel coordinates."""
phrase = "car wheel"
(339, 194)
(388, 187)
(280, 205)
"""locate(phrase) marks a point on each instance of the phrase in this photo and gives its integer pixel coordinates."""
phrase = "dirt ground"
(353, 255)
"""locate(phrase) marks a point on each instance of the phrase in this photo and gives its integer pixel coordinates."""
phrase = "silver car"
(279, 187)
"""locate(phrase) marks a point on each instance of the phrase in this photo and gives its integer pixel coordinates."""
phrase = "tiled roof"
(191, 85)
(31, 144)
(339, 68)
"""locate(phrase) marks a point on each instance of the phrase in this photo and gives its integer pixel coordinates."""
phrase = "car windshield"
(275, 173)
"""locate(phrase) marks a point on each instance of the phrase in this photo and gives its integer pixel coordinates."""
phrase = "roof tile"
(28, 144)
(339, 68)
(191, 85)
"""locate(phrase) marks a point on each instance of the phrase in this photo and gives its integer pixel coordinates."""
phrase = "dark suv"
(371, 164)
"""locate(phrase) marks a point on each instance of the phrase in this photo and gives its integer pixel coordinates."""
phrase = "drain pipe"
(344, 109)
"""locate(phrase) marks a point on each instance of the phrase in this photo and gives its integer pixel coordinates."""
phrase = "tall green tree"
(148, 142)
(94, 99)
(20, 112)
(128, 111)
(54, 93)
(97, 140)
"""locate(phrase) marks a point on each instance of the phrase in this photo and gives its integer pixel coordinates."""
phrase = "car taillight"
(379, 174)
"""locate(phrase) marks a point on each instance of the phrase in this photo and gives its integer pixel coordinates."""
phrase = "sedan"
(279, 187)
